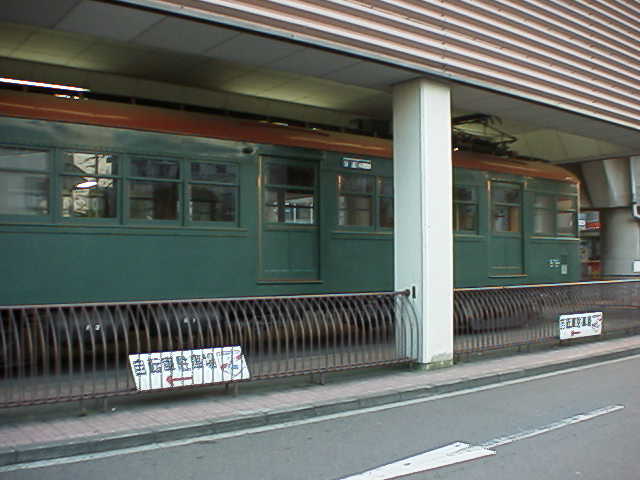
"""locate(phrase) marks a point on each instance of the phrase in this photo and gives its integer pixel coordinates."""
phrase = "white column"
(423, 238)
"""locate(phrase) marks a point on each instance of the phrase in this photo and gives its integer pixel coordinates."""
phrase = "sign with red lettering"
(580, 325)
(153, 371)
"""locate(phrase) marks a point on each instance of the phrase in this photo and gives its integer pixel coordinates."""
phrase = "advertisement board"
(579, 325)
(163, 370)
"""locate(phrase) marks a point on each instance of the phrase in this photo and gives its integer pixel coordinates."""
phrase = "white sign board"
(152, 371)
(580, 325)
(356, 163)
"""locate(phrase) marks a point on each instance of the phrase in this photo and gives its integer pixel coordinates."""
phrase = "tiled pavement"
(35, 433)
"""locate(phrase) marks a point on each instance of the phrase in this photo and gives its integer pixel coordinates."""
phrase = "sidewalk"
(38, 433)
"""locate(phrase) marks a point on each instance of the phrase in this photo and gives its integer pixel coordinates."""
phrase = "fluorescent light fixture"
(43, 85)
(87, 184)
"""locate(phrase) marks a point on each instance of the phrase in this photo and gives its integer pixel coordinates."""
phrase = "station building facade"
(561, 76)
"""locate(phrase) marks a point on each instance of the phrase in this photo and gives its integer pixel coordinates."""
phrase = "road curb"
(102, 443)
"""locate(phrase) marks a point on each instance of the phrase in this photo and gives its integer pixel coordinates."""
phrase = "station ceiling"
(117, 49)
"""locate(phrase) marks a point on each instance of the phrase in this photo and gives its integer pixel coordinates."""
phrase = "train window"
(506, 208)
(543, 215)
(213, 192)
(23, 190)
(355, 184)
(88, 187)
(147, 167)
(153, 200)
(212, 203)
(386, 212)
(566, 203)
(214, 172)
(289, 193)
(354, 211)
(293, 175)
(385, 202)
(90, 163)
(155, 193)
(505, 194)
(89, 197)
(566, 216)
(289, 205)
(355, 200)
(22, 159)
(465, 209)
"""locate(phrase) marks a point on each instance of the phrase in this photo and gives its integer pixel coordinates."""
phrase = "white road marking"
(296, 423)
(498, 442)
(440, 457)
(463, 452)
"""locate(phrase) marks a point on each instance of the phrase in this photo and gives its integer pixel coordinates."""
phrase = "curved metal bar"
(85, 348)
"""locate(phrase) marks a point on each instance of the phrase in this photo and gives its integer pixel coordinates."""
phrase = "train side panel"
(57, 259)
(514, 230)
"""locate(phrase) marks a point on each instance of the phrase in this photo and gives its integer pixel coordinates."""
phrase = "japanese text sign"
(580, 325)
(153, 371)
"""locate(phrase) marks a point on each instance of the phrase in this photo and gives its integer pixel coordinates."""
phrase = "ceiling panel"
(184, 36)
(52, 47)
(317, 63)
(370, 75)
(106, 20)
(252, 50)
(161, 66)
(102, 57)
(41, 13)
(214, 73)
(259, 82)
(12, 36)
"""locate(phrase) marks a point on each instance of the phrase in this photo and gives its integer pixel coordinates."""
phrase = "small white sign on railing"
(153, 371)
(580, 325)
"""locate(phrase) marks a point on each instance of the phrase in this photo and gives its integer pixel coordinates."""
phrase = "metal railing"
(504, 317)
(58, 353)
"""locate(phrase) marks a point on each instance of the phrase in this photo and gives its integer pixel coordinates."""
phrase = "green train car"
(104, 201)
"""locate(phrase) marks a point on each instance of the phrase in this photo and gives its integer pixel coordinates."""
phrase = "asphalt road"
(604, 447)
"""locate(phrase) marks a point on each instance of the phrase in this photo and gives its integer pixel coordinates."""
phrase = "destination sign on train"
(580, 325)
(181, 368)
(356, 163)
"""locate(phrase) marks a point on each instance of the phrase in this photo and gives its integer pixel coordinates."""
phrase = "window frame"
(60, 174)
(379, 197)
(188, 181)
(130, 179)
(376, 197)
(475, 202)
(551, 210)
(496, 185)
(266, 187)
(47, 172)
(573, 211)
(555, 211)
(371, 196)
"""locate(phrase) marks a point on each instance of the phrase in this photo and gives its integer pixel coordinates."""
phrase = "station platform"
(31, 434)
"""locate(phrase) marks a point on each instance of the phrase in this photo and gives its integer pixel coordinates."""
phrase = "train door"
(288, 243)
(505, 237)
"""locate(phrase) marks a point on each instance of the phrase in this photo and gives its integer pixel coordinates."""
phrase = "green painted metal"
(52, 259)
(533, 258)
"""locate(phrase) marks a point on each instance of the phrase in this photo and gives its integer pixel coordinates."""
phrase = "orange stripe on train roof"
(515, 166)
(112, 114)
(155, 119)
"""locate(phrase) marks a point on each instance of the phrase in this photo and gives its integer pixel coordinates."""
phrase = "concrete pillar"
(620, 242)
(614, 187)
(423, 238)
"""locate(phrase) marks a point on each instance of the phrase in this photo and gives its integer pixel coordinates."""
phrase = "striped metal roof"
(580, 55)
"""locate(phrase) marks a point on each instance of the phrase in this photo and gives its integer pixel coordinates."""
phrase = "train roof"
(156, 119)
(515, 166)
